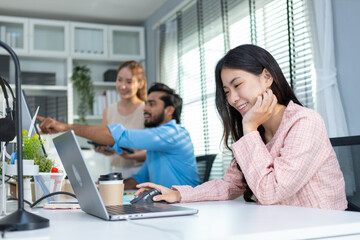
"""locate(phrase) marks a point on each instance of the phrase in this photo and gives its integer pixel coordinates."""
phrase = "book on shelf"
(103, 100)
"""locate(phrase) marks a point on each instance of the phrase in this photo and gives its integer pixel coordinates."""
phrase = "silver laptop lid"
(85, 189)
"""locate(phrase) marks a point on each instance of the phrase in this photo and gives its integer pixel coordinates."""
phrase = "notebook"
(88, 196)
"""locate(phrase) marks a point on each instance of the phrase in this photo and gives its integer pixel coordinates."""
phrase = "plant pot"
(29, 169)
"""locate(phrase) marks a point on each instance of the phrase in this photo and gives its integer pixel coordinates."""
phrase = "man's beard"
(156, 122)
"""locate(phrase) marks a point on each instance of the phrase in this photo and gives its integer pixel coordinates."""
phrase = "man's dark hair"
(170, 98)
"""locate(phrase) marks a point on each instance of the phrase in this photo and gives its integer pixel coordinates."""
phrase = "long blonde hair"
(138, 71)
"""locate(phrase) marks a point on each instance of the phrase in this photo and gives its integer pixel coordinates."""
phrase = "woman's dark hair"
(170, 98)
(252, 59)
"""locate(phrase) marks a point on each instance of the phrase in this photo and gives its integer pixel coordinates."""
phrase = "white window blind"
(194, 40)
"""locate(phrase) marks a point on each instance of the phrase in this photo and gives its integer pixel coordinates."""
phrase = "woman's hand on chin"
(260, 112)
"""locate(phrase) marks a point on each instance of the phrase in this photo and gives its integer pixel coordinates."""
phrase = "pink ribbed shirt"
(297, 167)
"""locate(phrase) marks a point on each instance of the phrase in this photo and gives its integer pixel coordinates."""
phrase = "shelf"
(49, 37)
(40, 87)
(88, 40)
(104, 84)
(37, 55)
(51, 49)
(38, 90)
(89, 117)
(126, 42)
(14, 32)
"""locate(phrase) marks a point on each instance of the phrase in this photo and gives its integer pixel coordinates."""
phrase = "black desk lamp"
(20, 219)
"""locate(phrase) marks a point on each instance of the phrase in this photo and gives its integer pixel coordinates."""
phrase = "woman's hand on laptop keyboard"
(169, 195)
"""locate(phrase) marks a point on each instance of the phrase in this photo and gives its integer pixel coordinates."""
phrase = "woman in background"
(282, 152)
(131, 87)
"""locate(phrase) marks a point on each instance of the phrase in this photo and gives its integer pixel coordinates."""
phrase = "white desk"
(215, 220)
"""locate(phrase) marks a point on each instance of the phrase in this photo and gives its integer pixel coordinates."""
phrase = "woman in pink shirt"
(282, 151)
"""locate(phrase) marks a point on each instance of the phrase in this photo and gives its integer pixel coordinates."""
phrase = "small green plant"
(81, 79)
(45, 164)
(32, 150)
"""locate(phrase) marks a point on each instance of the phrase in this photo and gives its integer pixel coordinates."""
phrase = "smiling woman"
(240, 86)
(188, 55)
(282, 152)
(131, 87)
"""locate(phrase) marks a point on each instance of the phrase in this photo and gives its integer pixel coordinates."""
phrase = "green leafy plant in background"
(32, 151)
(81, 79)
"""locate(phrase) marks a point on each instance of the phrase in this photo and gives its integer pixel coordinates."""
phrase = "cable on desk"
(51, 194)
(170, 232)
(8, 178)
(15, 199)
(45, 196)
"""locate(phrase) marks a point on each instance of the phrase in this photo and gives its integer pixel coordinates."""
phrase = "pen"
(13, 158)
(43, 187)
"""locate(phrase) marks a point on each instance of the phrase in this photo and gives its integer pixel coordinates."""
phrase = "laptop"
(88, 195)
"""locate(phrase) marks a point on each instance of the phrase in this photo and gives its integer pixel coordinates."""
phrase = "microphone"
(7, 130)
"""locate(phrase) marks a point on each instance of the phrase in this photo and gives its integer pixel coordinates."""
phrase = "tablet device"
(96, 144)
(129, 150)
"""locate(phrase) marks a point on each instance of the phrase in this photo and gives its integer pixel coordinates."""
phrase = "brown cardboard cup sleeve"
(112, 192)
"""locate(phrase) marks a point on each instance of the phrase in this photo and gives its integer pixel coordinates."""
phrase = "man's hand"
(49, 125)
(127, 155)
(104, 150)
(170, 196)
(139, 156)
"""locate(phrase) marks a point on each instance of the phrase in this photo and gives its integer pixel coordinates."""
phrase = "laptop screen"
(27, 117)
(70, 154)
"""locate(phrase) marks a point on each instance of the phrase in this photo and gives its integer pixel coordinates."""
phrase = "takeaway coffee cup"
(111, 188)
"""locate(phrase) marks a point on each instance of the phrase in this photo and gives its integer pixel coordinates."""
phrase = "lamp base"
(21, 220)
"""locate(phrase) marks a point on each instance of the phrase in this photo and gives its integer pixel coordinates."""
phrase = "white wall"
(347, 52)
(150, 37)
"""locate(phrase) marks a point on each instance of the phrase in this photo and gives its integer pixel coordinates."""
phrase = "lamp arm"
(21, 219)
(18, 121)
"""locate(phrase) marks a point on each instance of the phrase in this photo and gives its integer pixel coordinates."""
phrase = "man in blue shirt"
(170, 156)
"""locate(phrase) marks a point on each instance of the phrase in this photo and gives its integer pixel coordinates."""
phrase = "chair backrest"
(204, 164)
(347, 150)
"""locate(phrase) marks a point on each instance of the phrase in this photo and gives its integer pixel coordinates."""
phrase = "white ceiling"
(132, 12)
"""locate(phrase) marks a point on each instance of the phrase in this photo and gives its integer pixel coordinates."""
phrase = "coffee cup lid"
(111, 176)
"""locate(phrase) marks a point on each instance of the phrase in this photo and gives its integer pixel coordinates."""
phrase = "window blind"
(51, 106)
(194, 40)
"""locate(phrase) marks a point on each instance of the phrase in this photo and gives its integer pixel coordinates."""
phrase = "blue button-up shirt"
(170, 158)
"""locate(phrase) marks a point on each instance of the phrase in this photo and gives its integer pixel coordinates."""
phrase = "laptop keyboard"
(130, 209)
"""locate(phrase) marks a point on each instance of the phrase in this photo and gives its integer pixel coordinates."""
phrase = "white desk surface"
(215, 220)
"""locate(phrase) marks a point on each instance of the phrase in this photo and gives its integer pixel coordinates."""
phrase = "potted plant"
(81, 80)
(32, 151)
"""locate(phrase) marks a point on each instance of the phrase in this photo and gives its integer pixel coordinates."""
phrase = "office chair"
(347, 150)
(204, 164)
